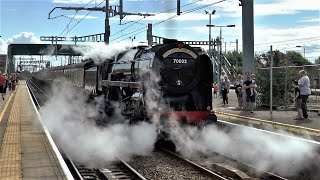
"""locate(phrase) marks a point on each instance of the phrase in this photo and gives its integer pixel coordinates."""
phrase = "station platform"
(26, 151)
(278, 119)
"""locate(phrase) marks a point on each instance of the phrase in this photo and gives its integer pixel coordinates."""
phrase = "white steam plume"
(99, 52)
(279, 154)
(274, 153)
(72, 122)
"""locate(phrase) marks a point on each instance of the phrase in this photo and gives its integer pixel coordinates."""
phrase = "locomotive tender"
(184, 86)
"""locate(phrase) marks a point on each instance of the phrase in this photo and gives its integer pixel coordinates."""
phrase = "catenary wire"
(137, 21)
(72, 19)
(172, 17)
(82, 19)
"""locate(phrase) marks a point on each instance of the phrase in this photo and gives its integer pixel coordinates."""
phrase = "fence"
(282, 95)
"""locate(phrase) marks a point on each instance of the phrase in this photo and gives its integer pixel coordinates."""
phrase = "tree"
(282, 76)
(235, 58)
(317, 61)
(295, 58)
(278, 57)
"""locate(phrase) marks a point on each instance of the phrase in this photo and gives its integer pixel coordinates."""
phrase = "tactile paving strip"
(10, 155)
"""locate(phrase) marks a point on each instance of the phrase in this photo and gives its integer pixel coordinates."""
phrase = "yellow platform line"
(5, 107)
(10, 154)
(274, 123)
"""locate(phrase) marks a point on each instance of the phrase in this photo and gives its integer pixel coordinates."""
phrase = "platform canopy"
(39, 49)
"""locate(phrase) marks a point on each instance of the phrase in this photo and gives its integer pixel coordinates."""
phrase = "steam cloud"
(100, 51)
(274, 153)
(72, 121)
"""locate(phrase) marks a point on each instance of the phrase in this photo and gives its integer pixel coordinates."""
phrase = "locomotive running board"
(121, 84)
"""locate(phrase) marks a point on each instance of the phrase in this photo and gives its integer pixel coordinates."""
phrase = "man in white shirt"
(304, 86)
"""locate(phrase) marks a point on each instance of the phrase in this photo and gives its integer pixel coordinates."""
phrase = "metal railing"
(283, 90)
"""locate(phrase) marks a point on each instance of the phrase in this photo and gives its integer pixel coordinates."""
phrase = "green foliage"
(281, 85)
(317, 61)
(282, 75)
(239, 70)
(235, 57)
(277, 58)
(295, 58)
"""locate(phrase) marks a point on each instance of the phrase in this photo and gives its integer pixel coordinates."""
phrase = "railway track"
(213, 166)
(119, 170)
(122, 170)
(227, 167)
(161, 165)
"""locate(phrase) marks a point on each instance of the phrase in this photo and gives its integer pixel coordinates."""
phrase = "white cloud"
(82, 1)
(232, 8)
(24, 38)
(83, 16)
(312, 20)
(3, 46)
(284, 39)
(294, 36)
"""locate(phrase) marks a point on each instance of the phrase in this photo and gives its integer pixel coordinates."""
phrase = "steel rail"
(231, 172)
(133, 170)
(206, 171)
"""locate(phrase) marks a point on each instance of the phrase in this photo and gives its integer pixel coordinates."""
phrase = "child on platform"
(253, 81)
(215, 90)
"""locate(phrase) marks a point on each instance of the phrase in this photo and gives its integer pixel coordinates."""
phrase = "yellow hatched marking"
(10, 155)
(5, 107)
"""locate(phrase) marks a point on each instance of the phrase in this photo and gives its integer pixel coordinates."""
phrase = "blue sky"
(281, 23)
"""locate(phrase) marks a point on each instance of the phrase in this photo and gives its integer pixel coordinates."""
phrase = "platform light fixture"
(210, 40)
(304, 51)
(132, 38)
(209, 25)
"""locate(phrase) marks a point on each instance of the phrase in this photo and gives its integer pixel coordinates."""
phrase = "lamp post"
(210, 13)
(132, 38)
(220, 51)
(304, 51)
(210, 52)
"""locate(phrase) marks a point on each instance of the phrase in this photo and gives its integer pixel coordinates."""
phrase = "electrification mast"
(110, 12)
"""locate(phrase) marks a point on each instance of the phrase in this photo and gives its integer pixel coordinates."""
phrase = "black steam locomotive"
(174, 77)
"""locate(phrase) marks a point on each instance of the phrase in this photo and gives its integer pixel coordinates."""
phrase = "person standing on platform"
(9, 83)
(250, 99)
(13, 83)
(225, 90)
(238, 90)
(223, 74)
(304, 86)
(5, 84)
(2, 84)
(297, 100)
